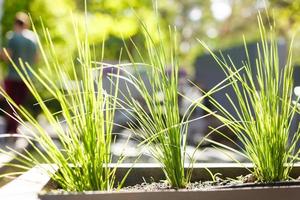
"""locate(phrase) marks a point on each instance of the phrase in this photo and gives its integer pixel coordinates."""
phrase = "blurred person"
(21, 44)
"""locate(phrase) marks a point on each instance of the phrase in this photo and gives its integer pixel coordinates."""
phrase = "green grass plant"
(264, 108)
(157, 121)
(86, 109)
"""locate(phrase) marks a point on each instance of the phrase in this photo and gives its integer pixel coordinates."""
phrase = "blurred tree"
(219, 22)
(106, 19)
(287, 15)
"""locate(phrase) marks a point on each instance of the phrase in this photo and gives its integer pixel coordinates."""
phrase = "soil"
(218, 183)
(163, 185)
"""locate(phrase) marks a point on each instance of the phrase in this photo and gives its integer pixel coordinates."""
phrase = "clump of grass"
(157, 121)
(86, 109)
(265, 110)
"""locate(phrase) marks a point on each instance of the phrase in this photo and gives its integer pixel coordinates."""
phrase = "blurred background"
(220, 23)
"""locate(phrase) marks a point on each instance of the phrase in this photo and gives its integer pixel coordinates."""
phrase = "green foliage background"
(110, 20)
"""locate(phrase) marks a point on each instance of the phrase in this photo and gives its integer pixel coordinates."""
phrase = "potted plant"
(265, 109)
(83, 125)
(83, 164)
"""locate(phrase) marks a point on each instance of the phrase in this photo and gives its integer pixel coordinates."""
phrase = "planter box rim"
(33, 181)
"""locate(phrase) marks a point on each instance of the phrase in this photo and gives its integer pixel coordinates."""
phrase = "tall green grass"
(158, 122)
(156, 118)
(86, 109)
(264, 110)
